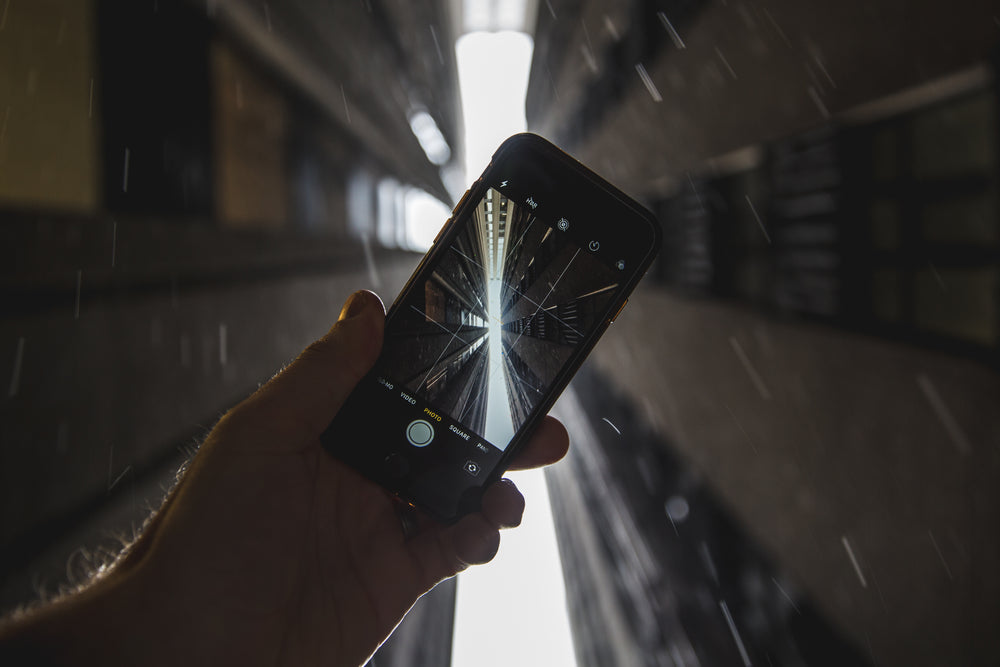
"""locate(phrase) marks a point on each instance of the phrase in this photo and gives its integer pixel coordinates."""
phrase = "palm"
(303, 556)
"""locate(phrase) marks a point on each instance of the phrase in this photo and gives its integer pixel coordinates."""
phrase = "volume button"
(620, 309)
(462, 200)
(459, 205)
(444, 227)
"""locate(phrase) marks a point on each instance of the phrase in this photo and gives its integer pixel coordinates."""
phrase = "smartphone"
(537, 260)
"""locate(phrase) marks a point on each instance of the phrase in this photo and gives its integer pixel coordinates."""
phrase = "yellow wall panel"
(49, 131)
(250, 124)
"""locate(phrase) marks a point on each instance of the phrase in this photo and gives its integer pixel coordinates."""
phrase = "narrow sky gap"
(513, 610)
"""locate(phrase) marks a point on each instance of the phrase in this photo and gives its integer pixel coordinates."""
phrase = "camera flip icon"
(472, 468)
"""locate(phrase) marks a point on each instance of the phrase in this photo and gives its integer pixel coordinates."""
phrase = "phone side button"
(620, 309)
(438, 237)
(461, 201)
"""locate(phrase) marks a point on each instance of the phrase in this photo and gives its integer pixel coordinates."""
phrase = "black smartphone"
(536, 261)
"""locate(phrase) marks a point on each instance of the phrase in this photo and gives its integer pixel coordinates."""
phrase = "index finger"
(548, 444)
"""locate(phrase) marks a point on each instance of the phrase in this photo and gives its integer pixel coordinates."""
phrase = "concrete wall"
(818, 439)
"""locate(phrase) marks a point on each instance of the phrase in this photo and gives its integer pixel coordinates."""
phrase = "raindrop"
(937, 277)
(757, 218)
(678, 42)
(223, 343)
(15, 376)
(79, 282)
(347, 110)
(648, 82)
(958, 437)
(608, 421)
(437, 44)
(749, 368)
(947, 570)
(708, 561)
(819, 103)
(777, 27)
(125, 171)
(677, 509)
(611, 28)
(822, 68)
(740, 426)
(735, 633)
(787, 596)
(725, 62)
(854, 560)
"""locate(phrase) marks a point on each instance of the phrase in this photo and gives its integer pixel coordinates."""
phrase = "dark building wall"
(818, 340)
(810, 437)
(747, 72)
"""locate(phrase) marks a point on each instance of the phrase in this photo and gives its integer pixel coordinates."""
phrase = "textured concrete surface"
(866, 469)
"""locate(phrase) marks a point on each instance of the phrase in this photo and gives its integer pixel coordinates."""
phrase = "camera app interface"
(504, 309)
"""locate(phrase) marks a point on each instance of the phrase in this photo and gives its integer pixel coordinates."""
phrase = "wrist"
(99, 624)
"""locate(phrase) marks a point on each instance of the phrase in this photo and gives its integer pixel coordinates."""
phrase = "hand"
(270, 551)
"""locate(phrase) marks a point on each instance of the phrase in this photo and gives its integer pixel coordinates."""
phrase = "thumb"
(296, 405)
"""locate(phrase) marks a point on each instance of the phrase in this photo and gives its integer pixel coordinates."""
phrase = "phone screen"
(485, 336)
(492, 325)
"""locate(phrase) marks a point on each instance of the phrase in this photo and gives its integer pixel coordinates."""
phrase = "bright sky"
(512, 611)
(499, 426)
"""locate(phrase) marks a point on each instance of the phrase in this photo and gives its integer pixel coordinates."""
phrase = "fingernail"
(357, 303)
